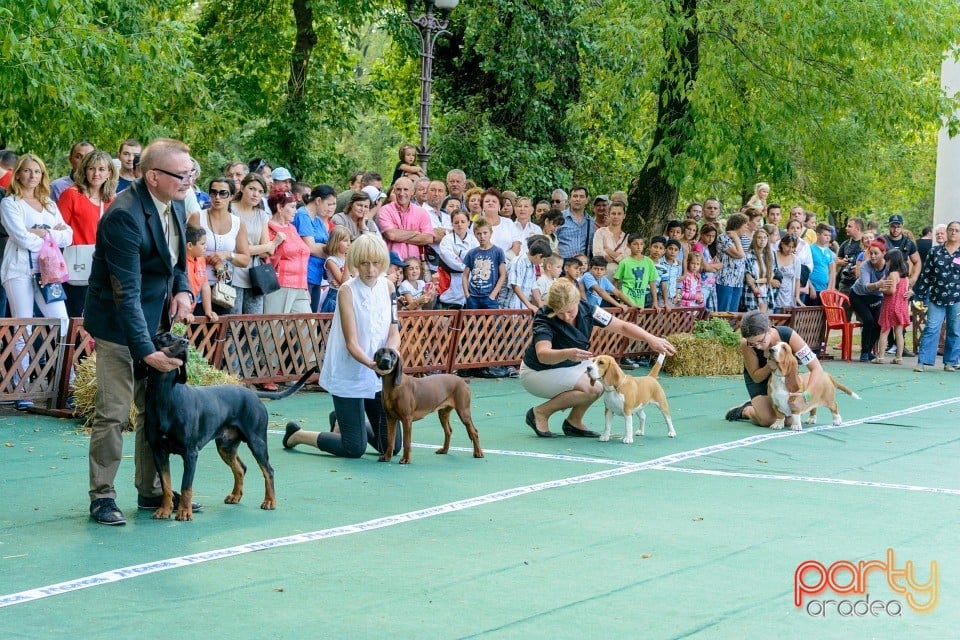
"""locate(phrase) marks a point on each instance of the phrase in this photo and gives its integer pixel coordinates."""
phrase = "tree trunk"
(292, 142)
(653, 193)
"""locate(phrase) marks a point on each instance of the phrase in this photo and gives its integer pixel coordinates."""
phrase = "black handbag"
(263, 278)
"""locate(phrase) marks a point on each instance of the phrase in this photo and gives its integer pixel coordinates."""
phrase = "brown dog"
(409, 399)
(625, 395)
(790, 394)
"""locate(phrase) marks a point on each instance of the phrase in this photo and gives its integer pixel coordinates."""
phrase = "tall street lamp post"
(429, 26)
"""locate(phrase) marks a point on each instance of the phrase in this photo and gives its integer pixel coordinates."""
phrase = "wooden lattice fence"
(282, 347)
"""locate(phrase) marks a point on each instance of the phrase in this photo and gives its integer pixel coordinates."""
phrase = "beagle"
(790, 395)
(625, 395)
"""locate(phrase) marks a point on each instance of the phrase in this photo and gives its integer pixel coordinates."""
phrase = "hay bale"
(702, 357)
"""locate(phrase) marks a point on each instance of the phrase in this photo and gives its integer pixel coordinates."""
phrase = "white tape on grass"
(125, 573)
(849, 483)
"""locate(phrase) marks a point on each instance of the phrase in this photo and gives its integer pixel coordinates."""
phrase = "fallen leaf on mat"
(761, 461)
(698, 519)
(8, 444)
(646, 555)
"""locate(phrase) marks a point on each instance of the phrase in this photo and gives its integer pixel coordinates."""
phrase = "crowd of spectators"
(454, 244)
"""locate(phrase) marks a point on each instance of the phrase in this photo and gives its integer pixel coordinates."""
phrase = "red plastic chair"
(833, 306)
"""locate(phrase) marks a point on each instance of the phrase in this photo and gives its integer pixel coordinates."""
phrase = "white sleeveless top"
(255, 227)
(217, 242)
(341, 374)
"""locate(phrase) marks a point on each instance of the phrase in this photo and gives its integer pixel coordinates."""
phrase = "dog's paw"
(404, 460)
(184, 514)
(604, 437)
(233, 498)
(442, 451)
(796, 426)
(162, 514)
(813, 420)
(639, 432)
(268, 505)
(837, 420)
(671, 434)
(627, 439)
(776, 426)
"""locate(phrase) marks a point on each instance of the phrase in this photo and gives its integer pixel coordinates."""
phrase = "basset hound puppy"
(789, 392)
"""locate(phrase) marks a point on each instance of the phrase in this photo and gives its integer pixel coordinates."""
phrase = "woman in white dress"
(365, 320)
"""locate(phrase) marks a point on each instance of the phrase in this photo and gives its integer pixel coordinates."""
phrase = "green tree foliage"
(504, 81)
(817, 96)
(282, 75)
(99, 70)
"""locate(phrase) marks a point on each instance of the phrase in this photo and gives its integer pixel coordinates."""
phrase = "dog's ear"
(397, 368)
(614, 375)
(788, 365)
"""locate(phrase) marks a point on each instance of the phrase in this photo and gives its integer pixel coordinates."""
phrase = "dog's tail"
(656, 367)
(277, 395)
(843, 388)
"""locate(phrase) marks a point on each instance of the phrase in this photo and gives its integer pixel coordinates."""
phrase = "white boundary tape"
(125, 573)
(851, 483)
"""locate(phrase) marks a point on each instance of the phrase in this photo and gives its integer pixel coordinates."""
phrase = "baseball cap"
(395, 259)
(281, 173)
(601, 198)
(895, 219)
(374, 193)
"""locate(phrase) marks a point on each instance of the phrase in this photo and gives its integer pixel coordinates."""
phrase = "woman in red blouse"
(289, 257)
(82, 205)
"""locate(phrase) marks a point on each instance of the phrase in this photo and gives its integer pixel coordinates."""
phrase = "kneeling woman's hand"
(662, 345)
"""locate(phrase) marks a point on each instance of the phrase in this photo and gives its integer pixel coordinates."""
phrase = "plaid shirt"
(573, 237)
(522, 273)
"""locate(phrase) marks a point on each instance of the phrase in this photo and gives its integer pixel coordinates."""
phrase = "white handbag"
(79, 259)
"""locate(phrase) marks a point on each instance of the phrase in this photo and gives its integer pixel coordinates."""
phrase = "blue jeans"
(936, 315)
(481, 302)
(728, 298)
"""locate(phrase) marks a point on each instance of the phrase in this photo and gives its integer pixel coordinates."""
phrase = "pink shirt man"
(405, 226)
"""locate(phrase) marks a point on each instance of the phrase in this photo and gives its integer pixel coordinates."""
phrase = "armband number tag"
(602, 317)
(805, 355)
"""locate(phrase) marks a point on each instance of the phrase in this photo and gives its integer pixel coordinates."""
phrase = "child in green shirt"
(637, 273)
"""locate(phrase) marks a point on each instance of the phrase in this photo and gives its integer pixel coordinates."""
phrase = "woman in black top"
(555, 363)
(758, 336)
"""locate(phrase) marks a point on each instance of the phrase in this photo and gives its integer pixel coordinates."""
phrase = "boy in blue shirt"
(485, 270)
(824, 270)
(600, 291)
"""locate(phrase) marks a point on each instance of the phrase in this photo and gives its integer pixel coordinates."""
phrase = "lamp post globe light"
(430, 25)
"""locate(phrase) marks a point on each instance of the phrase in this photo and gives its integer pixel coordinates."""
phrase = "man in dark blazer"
(138, 284)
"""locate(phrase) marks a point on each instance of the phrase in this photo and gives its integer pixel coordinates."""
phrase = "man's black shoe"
(105, 511)
(152, 503)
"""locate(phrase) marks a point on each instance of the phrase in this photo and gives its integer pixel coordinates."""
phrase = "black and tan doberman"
(409, 399)
(181, 419)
